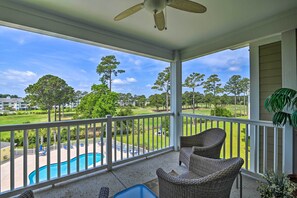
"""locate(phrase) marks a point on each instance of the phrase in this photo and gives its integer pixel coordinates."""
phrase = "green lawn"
(149, 137)
(30, 118)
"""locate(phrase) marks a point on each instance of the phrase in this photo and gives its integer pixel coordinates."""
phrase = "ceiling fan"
(157, 8)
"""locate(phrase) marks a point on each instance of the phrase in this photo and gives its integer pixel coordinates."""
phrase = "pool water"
(54, 167)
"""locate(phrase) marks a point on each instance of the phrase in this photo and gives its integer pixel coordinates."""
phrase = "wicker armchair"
(206, 178)
(104, 192)
(26, 194)
(207, 144)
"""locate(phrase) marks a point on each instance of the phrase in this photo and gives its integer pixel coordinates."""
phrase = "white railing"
(75, 148)
(79, 147)
(257, 142)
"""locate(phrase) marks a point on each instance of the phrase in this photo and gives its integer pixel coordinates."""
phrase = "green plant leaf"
(280, 118)
(294, 119)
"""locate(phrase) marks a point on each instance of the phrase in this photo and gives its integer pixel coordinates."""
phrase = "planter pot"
(293, 178)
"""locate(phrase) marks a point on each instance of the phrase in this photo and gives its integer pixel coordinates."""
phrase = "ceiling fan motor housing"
(155, 6)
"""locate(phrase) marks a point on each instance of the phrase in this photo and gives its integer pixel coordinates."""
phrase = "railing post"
(109, 142)
(176, 100)
(254, 148)
(288, 159)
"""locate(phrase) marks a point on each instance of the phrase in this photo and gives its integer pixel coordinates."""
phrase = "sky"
(25, 57)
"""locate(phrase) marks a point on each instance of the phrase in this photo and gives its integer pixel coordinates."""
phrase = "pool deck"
(5, 168)
(128, 175)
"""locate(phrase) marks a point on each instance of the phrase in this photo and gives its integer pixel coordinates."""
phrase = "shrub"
(276, 185)
(219, 111)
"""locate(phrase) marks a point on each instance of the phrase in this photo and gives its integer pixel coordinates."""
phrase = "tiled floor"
(129, 175)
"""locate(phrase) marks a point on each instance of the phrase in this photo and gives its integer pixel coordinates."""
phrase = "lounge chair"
(43, 153)
(206, 144)
(206, 178)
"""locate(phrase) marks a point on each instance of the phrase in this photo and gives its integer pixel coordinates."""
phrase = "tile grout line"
(118, 179)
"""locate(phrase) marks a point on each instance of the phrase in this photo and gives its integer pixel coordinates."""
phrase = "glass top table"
(137, 191)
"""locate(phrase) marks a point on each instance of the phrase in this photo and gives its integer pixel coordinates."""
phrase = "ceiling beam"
(29, 19)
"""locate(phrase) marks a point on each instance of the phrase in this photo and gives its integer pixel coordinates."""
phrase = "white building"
(14, 103)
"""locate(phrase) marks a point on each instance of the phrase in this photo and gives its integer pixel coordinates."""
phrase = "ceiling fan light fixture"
(157, 8)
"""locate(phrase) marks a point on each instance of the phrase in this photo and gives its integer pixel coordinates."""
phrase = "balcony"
(82, 148)
(126, 176)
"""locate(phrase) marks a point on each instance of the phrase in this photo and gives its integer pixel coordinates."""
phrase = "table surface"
(137, 191)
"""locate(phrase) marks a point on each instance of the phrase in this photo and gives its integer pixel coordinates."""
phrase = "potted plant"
(283, 104)
(276, 186)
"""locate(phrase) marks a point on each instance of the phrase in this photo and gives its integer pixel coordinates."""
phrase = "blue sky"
(26, 56)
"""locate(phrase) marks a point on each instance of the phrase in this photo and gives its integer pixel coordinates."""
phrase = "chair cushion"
(189, 175)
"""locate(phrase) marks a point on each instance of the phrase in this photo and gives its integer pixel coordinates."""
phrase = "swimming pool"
(54, 167)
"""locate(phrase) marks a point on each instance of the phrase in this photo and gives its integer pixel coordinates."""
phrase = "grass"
(30, 118)
(148, 137)
(25, 119)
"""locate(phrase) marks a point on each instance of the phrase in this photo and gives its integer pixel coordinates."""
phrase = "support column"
(176, 100)
(254, 99)
(289, 80)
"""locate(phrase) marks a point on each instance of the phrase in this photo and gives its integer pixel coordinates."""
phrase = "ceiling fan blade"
(188, 6)
(160, 20)
(129, 12)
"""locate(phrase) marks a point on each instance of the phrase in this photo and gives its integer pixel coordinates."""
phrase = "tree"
(140, 101)
(225, 99)
(208, 98)
(192, 81)
(108, 67)
(234, 87)
(99, 103)
(156, 100)
(46, 92)
(245, 87)
(8, 95)
(186, 97)
(212, 86)
(67, 98)
(78, 95)
(125, 124)
(163, 84)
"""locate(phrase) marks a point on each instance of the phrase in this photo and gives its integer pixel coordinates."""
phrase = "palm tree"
(283, 103)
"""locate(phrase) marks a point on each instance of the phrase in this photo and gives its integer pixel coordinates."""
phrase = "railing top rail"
(76, 122)
(50, 124)
(119, 118)
(236, 120)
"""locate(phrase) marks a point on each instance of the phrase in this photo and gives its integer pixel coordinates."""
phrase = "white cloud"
(136, 62)
(148, 86)
(234, 68)
(18, 76)
(119, 81)
(131, 80)
(225, 60)
(128, 80)
(83, 71)
(21, 41)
